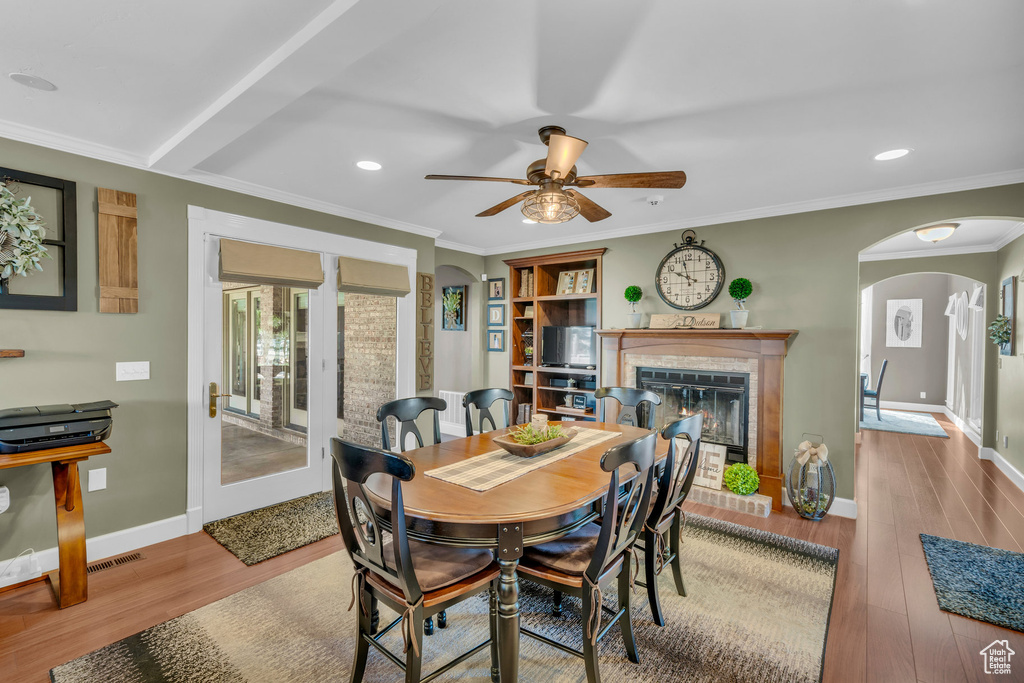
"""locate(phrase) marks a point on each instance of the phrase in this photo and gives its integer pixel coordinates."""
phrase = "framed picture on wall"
(903, 323)
(496, 289)
(1008, 303)
(453, 306)
(495, 315)
(495, 340)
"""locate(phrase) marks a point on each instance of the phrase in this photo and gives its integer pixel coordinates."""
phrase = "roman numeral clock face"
(690, 277)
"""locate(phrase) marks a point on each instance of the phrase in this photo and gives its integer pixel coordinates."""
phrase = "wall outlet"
(98, 479)
(923, 394)
(131, 372)
(5, 499)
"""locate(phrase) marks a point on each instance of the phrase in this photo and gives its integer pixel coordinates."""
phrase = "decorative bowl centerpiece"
(528, 440)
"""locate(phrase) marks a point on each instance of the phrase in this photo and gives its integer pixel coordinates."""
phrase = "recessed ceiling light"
(368, 165)
(936, 233)
(892, 154)
(529, 221)
(33, 81)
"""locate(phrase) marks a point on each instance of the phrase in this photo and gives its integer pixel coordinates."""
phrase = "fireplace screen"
(721, 397)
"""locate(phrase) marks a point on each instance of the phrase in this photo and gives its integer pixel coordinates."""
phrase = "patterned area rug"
(903, 423)
(758, 610)
(262, 534)
(977, 581)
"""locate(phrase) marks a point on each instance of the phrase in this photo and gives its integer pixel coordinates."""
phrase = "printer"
(40, 427)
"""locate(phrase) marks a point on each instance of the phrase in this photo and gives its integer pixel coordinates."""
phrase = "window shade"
(359, 276)
(259, 264)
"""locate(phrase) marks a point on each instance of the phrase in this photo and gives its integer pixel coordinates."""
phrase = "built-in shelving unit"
(530, 382)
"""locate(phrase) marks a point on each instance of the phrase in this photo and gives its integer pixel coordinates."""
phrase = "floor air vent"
(114, 562)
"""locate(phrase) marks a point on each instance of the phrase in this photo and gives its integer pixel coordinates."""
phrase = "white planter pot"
(739, 319)
(633, 320)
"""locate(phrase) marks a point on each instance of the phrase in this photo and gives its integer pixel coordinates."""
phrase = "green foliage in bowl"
(633, 294)
(741, 479)
(528, 435)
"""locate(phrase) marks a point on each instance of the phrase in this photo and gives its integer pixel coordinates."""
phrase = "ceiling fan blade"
(588, 209)
(498, 208)
(517, 181)
(659, 179)
(563, 151)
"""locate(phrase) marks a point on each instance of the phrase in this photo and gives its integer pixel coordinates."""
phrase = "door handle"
(214, 395)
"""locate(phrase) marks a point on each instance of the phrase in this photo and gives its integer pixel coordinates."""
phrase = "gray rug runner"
(262, 534)
(758, 610)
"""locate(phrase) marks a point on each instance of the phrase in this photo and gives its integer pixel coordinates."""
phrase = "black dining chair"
(386, 570)
(482, 400)
(876, 393)
(630, 400)
(672, 486)
(405, 411)
(582, 562)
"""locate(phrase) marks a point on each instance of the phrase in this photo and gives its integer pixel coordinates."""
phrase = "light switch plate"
(923, 395)
(131, 372)
(98, 479)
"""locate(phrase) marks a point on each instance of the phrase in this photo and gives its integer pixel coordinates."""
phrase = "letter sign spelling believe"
(425, 332)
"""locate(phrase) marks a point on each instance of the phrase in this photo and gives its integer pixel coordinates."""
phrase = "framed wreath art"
(33, 242)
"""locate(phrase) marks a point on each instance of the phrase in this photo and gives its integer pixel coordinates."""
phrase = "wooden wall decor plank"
(118, 251)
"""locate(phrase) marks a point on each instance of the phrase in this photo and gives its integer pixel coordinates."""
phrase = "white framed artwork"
(710, 466)
(903, 323)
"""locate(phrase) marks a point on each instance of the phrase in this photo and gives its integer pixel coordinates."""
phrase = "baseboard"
(841, 507)
(919, 407)
(1004, 465)
(453, 428)
(968, 430)
(194, 517)
(116, 543)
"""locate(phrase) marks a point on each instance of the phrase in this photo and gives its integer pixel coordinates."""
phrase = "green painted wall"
(70, 356)
(805, 273)
(1010, 373)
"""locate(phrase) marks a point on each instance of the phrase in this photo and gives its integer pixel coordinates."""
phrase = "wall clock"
(691, 275)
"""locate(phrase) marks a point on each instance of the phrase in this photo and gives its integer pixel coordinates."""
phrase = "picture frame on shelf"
(579, 401)
(495, 315)
(496, 340)
(496, 289)
(566, 282)
(584, 281)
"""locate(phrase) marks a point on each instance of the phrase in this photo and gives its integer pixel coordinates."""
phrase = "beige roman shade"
(259, 264)
(359, 276)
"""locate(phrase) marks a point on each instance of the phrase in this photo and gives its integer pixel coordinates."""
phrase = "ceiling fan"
(552, 202)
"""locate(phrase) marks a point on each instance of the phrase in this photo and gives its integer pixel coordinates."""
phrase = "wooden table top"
(563, 486)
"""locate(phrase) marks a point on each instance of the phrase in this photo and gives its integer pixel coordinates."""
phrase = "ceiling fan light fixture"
(550, 204)
(936, 233)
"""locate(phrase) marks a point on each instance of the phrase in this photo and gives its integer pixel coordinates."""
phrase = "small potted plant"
(633, 295)
(739, 290)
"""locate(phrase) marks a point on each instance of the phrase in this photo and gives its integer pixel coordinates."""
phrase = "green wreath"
(21, 236)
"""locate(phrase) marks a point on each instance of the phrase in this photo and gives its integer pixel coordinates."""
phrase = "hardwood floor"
(885, 624)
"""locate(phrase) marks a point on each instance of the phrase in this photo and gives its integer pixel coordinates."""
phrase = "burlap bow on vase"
(807, 451)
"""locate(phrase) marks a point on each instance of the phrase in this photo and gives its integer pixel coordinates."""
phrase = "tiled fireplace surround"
(757, 352)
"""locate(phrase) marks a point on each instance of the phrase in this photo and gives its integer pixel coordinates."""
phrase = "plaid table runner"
(493, 468)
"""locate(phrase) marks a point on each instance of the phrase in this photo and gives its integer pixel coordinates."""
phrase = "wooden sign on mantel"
(118, 251)
(685, 321)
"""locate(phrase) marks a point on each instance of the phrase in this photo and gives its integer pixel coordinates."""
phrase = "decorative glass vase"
(811, 488)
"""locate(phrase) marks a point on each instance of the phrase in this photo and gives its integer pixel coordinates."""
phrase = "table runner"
(493, 468)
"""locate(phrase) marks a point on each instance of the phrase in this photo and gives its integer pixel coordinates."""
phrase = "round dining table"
(539, 506)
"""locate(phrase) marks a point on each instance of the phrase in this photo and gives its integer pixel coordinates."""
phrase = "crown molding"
(67, 143)
(459, 246)
(1010, 236)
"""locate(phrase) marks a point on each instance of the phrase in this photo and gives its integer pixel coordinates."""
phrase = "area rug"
(758, 610)
(904, 423)
(977, 581)
(268, 532)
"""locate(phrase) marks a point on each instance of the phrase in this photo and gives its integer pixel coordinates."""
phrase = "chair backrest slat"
(630, 400)
(623, 521)
(881, 376)
(360, 526)
(680, 467)
(482, 400)
(405, 411)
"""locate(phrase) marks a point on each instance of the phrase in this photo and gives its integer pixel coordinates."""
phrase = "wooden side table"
(69, 582)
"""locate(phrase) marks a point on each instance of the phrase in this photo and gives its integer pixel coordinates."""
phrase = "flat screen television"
(568, 346)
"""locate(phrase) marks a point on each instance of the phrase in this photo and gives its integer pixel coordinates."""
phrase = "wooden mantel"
(769, 347)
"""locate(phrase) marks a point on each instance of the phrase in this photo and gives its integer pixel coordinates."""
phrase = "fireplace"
(722, 397)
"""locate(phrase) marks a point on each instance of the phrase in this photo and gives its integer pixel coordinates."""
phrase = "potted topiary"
(633, 295)
(741, 479)
(739, 290)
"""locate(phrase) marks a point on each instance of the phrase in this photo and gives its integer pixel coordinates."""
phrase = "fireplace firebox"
(722, 397)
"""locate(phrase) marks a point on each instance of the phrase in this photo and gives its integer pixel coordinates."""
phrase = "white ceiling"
(972, 236)
(770, 108)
